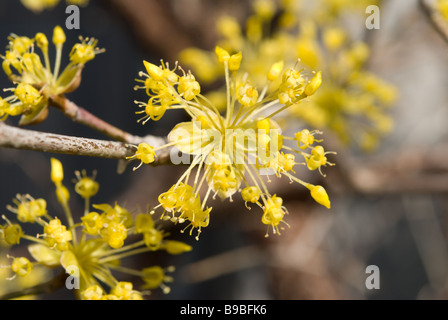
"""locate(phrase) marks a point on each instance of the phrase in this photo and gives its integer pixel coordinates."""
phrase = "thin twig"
(82, 116)
(18, 138)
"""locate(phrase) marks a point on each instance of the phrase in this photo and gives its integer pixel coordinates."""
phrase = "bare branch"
(82, 116)
(18, 138)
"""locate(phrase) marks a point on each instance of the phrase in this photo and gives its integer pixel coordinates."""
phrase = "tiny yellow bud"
(57, 172)
(222, 54)
(62, 194)
(235, 61)
(42, 41)
(177, 247)
(58, 36)
(275, 70)
(314, 84)
(154, 71)
(320, 195)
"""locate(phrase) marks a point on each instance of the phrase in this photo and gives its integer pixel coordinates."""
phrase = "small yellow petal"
(235, 61)
(314, 84)
(222, 54)
(58, 36)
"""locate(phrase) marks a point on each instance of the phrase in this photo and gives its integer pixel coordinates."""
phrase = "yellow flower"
(188, 87)
(21, 266)
(29, 209)
(86, 186)
(94, 292)
(315, 34)
(92, 223)
(251, 194)
(57, 235)
(228, 149)
(145, 153)
(107, 238)
(155, 277)
(84, 51)
(35, 78)
(11, 233)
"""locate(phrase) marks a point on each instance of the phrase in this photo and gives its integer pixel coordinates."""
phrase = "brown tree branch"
(408, 170)
(18, 138)
(82, 116)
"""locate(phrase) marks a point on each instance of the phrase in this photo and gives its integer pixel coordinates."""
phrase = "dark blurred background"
(389, 208)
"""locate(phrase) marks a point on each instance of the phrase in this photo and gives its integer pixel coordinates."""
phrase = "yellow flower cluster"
(95, 246)
(352, 102)
(233, 149)
(35, 81)
(40, 5)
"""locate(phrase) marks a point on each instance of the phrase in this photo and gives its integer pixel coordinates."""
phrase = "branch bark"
(82, 116)
(18, 138)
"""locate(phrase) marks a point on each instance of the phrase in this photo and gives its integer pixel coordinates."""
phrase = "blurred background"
(389, 205)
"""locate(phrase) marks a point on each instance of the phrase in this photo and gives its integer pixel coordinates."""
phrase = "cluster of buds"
(36, 80)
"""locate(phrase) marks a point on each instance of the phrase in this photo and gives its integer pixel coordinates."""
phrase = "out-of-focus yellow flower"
(39, 5)
(314, 33)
